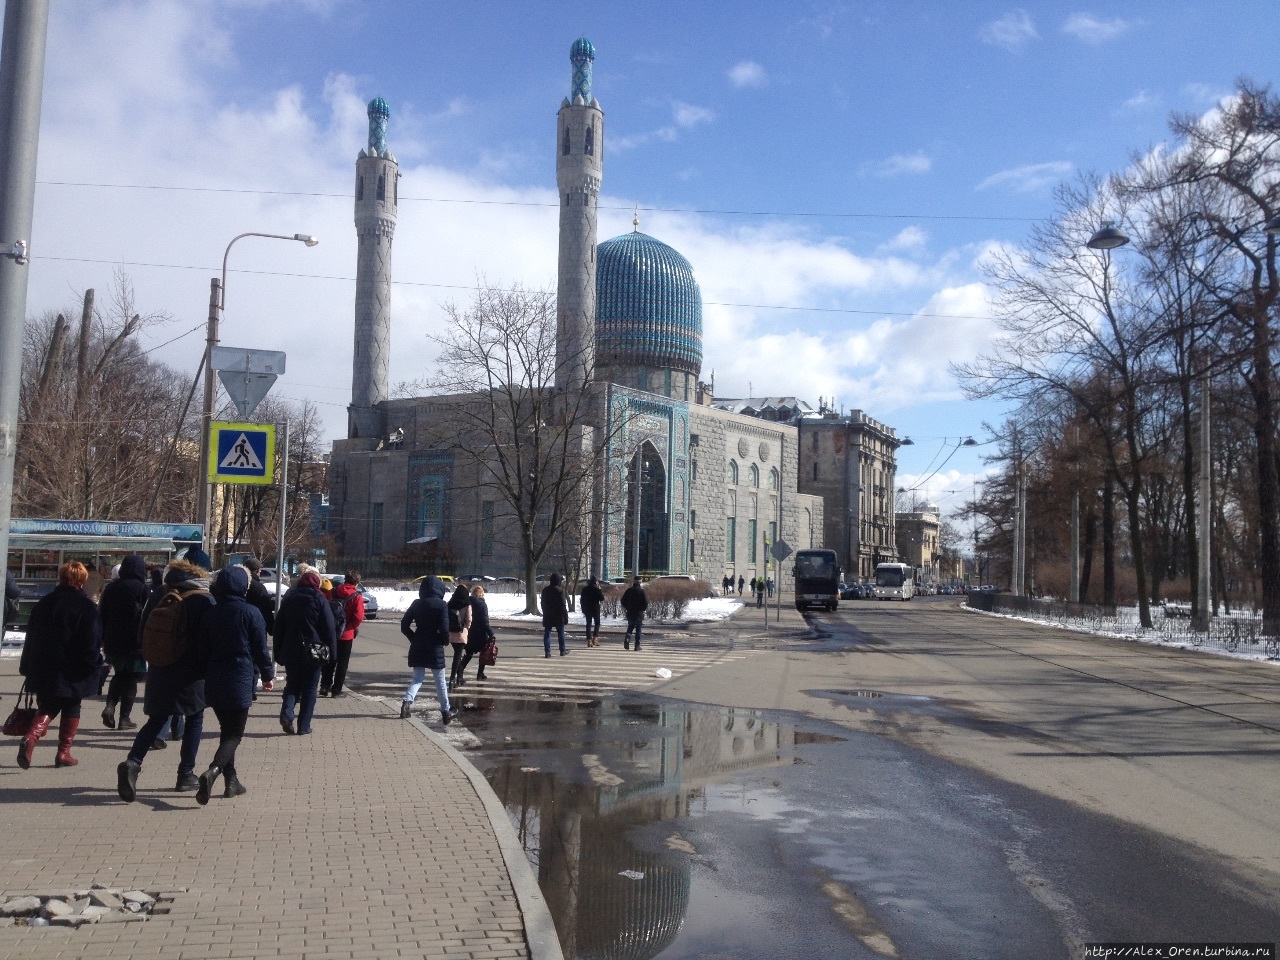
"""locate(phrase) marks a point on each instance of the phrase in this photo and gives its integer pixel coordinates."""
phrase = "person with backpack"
(60, 660)
(459, 624)
(232, 641)
(426, 625)
(634, 604)
(175, 675)
(351, 605)
(306, 639)
(591, 599)
(121, 606)
(555, 615)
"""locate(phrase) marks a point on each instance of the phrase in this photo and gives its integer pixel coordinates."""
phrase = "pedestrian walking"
(634, 604)
(591, 599)
(176, 685)
(426, 625)
(459, 623)
(304, 626)
(478, 634)
(121, 606)
(555, 615)
(262, 599)
(339, 611)
(60, 660)
(231, 642)
(12, 594)
(758, 586)
(741, 582)
(768, 585)
(348, 594)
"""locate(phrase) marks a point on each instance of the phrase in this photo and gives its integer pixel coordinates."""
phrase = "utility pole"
(1203, 613)
(22, 52)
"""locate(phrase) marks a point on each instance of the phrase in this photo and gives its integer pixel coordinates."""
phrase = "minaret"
(579, 166)
(376, 177)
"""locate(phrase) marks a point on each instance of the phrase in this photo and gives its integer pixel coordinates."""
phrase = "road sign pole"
(284, 490)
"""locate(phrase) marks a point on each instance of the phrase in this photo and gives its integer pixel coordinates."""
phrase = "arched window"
(382, 186)
(565, 148)
(733, 472)
(591, 140)
(754, 475)
(359, 188)
(773, 478)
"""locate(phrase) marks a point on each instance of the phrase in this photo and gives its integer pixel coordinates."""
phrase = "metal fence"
(1171, 623)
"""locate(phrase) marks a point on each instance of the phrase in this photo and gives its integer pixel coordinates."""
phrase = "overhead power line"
(460, 286)
(827, 214)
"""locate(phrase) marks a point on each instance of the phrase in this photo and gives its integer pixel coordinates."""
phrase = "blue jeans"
(150, 731)
(301, 686)
(442, 686)
(546, 637)
(634, 625)
(593, 624)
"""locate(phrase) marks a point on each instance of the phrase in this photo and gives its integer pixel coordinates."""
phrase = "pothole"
(98, 904)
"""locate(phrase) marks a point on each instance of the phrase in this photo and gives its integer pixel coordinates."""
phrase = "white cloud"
(1091, 29)
(748, 73)
(1140, 102)
(897, 165)
(156, 118)
(1013, 31)
(684, 116)
(1029, 177)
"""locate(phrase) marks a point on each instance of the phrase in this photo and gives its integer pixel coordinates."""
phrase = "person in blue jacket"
(232, 641)
(305, 619)
(426, 624)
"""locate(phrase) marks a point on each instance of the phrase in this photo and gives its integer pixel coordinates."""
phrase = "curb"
(539, 929)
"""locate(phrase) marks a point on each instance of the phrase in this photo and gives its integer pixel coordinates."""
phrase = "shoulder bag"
(19, 721)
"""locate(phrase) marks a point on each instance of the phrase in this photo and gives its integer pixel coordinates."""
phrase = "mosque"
(689, 484)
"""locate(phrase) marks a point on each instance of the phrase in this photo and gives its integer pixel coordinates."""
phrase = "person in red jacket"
(335, 673)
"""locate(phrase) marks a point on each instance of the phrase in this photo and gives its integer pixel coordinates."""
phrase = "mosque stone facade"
(715, 487)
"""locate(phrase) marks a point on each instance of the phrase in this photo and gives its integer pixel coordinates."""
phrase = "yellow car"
(447, 580)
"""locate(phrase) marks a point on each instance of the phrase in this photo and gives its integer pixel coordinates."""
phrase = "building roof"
(781, 409)
(648, 306)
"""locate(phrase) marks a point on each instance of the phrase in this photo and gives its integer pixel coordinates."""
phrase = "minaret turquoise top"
(582, 54)
(379, 114)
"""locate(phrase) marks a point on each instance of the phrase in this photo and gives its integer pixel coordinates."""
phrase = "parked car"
(444, 578)
(370, 601)
(268, 575)
(850, 591)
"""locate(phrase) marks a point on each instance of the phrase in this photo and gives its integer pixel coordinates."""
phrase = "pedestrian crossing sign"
(242, 452)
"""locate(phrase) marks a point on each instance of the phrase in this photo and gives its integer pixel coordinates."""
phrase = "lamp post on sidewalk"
(217, 301)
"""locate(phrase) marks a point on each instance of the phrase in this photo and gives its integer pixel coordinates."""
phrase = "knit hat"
(310, 579)
(198, 557)
(326, 586)
(235, 580)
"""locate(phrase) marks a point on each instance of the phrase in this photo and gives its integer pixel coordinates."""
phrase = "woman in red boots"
(61, 660)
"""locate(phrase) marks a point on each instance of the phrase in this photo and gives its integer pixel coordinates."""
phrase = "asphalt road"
(944, 784)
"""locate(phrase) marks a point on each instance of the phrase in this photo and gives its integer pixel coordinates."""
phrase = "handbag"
(19, 721)
(315, 653)
(489, 655)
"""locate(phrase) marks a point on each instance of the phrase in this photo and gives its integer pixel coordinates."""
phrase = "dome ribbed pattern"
(648, 306)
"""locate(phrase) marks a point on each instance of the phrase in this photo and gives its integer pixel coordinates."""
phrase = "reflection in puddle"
(599, 774)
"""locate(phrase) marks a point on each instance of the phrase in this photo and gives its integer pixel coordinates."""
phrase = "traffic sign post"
(779, 551)
(247, 375)
(242, 453)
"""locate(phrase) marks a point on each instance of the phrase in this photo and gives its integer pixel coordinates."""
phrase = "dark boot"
(27, 745)
(205, 783)
(126, 722)
(187, 781)
(233, 787)
(127, 780)
(67, 728)
(109, 715)
(406, 709)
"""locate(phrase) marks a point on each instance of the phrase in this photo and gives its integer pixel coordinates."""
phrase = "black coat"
(63, 651)
(179, 687)
(634, 602)
(555, 611)
(121, 606)
(426, 624)
(591, 598)
(265, 602)
(479, 632)
(305, 617)
(12, 594)
(232, 639)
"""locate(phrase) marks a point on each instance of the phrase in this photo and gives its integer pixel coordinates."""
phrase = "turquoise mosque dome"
(648, 307)
(582, 49)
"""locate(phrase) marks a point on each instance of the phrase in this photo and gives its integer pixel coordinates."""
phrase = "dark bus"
(817, 579)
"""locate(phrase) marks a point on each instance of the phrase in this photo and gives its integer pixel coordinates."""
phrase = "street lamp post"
(217, 301)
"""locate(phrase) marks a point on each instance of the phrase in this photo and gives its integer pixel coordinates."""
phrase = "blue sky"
(855, 160)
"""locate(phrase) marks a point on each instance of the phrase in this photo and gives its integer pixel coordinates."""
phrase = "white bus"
(895, 581)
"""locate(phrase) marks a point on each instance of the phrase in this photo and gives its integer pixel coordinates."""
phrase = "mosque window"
(815, 471)
(731, 538)
(751, 538)
(693, 519)
(591, 140)
(395, 190)
(382, 186)
(565, 147)
(773, 479)
(375, 530)
(754, 475)
(359, 188)
(733, 472)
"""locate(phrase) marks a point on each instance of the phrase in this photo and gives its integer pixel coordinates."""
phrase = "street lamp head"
(969, 442)
(907, 442)
(1107, 238)
(309, 240)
